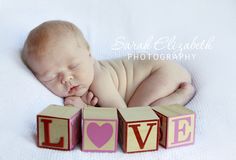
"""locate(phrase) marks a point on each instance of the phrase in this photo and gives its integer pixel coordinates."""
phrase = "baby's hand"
(89, 98)
(74, 101)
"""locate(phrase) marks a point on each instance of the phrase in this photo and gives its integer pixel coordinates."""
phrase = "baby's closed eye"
(74, 66)
(48, 78)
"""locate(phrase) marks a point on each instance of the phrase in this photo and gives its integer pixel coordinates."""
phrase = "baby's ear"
(93, 60)
(90, 55)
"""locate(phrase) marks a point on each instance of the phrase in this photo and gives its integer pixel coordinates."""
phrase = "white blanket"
(22, 96)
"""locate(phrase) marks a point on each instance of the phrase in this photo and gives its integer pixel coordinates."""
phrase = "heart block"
(100, 129)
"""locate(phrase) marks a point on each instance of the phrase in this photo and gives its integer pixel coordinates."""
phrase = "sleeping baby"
(59, 56)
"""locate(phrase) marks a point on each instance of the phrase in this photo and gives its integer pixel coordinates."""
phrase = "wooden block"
(177, 125)
(58, 127)
(100, 129)
(138, 129)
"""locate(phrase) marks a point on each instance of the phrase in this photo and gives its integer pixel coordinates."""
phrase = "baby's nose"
(67, 79)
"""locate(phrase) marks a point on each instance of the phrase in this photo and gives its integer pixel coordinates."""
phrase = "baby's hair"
(42, 34)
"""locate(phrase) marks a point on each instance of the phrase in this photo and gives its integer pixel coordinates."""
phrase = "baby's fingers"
(89, 97)
(94, 101)
(68, 101)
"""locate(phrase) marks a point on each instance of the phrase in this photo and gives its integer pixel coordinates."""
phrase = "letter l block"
(58, 127)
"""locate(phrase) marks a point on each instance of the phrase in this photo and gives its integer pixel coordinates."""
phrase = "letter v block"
(58, 127)
(177, 125)
(138, 129)
(100, 129)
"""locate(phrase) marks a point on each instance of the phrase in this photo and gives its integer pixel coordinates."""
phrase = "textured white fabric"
(22, 96)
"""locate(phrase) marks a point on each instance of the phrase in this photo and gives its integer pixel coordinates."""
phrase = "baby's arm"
(104, 88)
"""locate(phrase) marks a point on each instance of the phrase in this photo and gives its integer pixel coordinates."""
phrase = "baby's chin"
(61, 94)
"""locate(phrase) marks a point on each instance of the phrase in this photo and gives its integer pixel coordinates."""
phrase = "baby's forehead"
(39, 46)
(49, 62)
(49, 36)
(47, 44)
(52, 39)
(60, 54)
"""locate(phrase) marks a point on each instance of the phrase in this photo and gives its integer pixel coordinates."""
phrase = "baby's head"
(59, 56)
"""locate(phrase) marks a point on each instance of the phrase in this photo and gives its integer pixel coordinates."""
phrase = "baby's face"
(64, 67)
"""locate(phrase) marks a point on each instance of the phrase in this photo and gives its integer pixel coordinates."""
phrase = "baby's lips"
(73, 89)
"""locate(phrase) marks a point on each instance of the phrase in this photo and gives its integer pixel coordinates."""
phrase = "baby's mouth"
(71, 89)
(74, 88)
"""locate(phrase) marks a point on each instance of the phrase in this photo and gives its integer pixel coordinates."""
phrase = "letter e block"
(177, 125)
(58, 127)
(138, 129)
(100, 129)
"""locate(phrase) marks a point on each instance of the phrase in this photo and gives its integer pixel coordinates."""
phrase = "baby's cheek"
(87, 79)
(57, 89)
